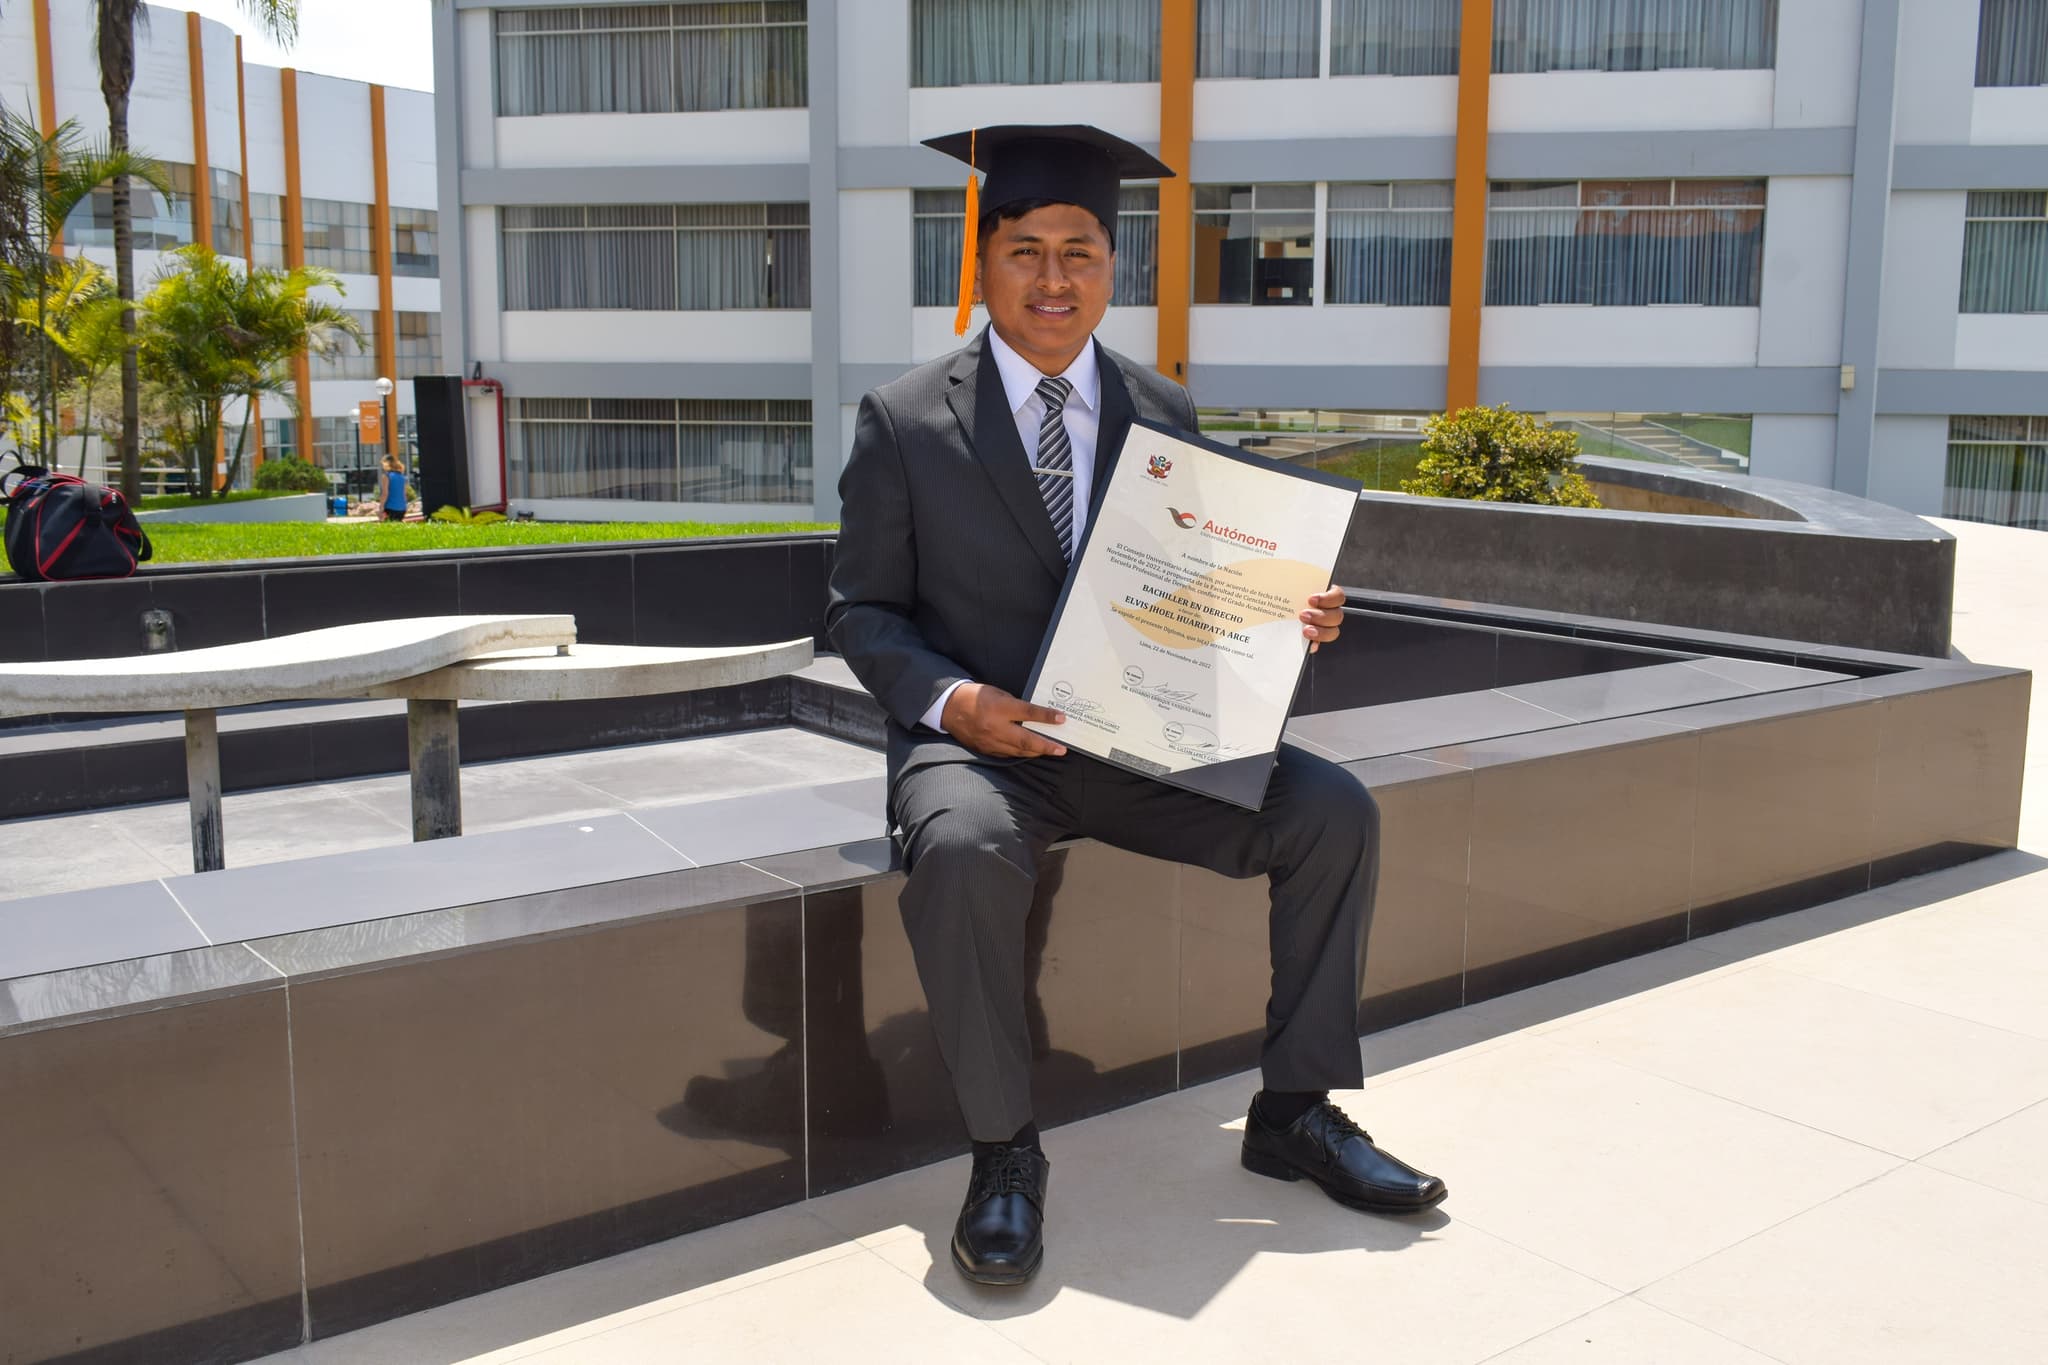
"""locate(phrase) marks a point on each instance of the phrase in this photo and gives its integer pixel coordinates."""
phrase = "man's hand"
(987, 720)
(1324, 618)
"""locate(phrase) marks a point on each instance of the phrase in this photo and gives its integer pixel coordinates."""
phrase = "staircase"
(1661, 442)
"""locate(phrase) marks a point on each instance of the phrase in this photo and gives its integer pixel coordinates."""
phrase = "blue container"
(337, 507)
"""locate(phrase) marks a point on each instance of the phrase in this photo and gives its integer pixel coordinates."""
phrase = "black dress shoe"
(1000, 1236)
(1325, 1146)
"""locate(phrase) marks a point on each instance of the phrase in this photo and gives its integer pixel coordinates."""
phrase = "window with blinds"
(1998, 471)
(1620, 243)
(651, 59)
(2012, 42)
(938, 220)
(1389, 244)
(1032, 42)
(1394, 37)
(2005, 252)
(1634, 35)
(662, 449)
(1258, 39)
(660, 257)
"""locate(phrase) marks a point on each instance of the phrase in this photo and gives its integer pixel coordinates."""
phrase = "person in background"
(391, 489)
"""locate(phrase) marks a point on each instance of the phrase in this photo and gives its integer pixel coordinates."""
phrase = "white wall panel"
(874, 276)
(1614, 336)
(223, 112)
(416, 293)
(874, 76)
(480, 254)
(265, 95)
(160, 102)
(1923, 271)
(2009, 114)
(628, 335)
(1909, 463)
(1219, 335)
(1799, 447)
(2002, 341)
(1342, 106)
(1937, 69)
(1565, 101)
(334, 140)
(1128, 110)
(719, 137)
(479, 95)
(1817, 64)
(18, 57)
(409, 148)
(1806, 245)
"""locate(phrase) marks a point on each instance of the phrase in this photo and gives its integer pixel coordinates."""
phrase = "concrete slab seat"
(430, 662)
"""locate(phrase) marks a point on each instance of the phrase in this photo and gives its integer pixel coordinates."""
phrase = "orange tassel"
(970, 241)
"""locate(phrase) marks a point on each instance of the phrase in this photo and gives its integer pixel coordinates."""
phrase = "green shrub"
(462, 516)
(290, 474)
(1499, 455)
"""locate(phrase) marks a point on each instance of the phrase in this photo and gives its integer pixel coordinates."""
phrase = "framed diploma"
(1176, 647)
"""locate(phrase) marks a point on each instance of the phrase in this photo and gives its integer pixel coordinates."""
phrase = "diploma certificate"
(1177, 645)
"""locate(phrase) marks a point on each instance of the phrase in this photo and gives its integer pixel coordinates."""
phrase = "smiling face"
(1046, 279)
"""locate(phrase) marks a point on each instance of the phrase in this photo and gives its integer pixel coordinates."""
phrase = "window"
(228, 237)
(334, 443)
(657, 256)
(267, 230)
(1394, 37)
(1634, 35)
(2012, 43)
(1265, 39)
(937, 221)
(1033, 42)
(1378, 449)
(349, 360)
(1998, 471)
(1390, 243)
(651, 59)
(1704, 440)
(2005, 252)
(414, 235)
(338, 236)
(1255, 244)
(1625, 242)
(662, 449)
(162, 222)
(419, 345)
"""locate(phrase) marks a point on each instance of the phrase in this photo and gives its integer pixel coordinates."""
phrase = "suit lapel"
(1114, 426)
(990, 429)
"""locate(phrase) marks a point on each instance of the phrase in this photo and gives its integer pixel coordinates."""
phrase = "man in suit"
(964, 498)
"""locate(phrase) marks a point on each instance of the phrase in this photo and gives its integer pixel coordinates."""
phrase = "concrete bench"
(431, 662)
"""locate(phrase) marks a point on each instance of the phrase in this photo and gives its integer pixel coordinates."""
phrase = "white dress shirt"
(1083, 417)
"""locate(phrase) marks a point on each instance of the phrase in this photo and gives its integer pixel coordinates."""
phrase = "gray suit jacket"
(947, 565)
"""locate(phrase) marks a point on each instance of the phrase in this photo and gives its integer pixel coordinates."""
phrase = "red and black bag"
(61, 527)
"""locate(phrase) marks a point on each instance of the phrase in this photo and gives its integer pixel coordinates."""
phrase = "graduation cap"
(1069, 163)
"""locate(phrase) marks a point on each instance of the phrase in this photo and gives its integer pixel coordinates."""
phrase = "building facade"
(296, 169)
(1804, 238)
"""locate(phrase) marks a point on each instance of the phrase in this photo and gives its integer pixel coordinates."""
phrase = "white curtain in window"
(1390, 244)
(1394, 37)
(2012, 43)
(938, 219)
(1998, 471)
(1266, 39)
(1633, 35)
(1706, 248)
(1032, 42)
(651, 59)
(2005, 251)
(657, 257)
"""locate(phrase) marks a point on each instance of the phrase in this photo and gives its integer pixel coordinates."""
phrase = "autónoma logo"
(1187, 521)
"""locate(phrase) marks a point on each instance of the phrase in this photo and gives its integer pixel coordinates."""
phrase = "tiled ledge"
(449, 1067)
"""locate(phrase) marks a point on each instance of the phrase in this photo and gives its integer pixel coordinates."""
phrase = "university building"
(1803, 238)
(297, 169)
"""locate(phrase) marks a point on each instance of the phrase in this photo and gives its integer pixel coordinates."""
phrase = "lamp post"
(384, 388)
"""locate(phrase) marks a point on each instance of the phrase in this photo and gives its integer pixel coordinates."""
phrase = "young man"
(963, 501)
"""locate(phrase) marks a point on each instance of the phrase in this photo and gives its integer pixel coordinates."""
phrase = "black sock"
(1280, 1108)
(1027, 1136)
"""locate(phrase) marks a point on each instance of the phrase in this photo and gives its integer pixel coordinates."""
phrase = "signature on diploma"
(1063, 699)
(1197, 742)
(1161, 692)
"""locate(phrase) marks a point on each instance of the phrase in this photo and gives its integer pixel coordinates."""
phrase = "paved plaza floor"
(1814, 1139)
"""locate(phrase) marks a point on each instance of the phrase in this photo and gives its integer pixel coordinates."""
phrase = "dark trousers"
(974, 834)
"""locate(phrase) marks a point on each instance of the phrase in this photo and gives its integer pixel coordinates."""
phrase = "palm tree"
(48, 175)
(114, 22)
(212, 333)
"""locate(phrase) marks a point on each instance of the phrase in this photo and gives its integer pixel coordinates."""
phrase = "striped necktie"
(1055, 467)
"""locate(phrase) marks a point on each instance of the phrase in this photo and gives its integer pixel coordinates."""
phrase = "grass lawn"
(1381, 469)
(188, 542)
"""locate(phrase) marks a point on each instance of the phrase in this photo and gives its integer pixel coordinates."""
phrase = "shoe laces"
(1007, 1170)
(1338, 1125)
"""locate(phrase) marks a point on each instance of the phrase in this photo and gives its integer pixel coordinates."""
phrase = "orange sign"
(370, 422)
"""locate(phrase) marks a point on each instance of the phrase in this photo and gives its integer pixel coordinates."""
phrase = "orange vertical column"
(380, 230)
(46, 93)
(248, 233)
(1468, 205)
(295, 248)
(1176, 196)
(202, 163)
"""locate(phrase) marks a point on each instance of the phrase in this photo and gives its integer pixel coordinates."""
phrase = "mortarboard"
(1068, 163)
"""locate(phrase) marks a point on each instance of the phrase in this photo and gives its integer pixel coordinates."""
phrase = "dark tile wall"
(149, 1192)
(485, 1117)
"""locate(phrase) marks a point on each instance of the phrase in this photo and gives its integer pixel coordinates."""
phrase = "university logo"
(1157, 467)
(1185, 520)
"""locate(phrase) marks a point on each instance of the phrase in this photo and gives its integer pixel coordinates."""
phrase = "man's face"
(1046, 280)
